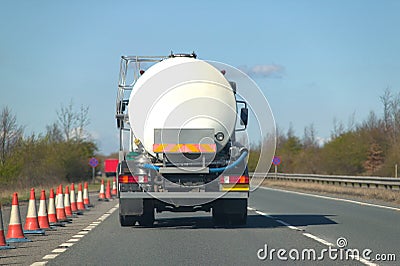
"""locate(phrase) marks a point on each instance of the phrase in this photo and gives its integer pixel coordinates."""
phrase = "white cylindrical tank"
(181, 92)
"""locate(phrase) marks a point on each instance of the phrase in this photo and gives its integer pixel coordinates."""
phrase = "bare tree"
(351, 123)
(386, 100)
(309, 139)
(395, 113)
(66, 120)
(372, 121)
(71, 123)
(338, 128)
(82, 121)
(53, 133)
(10, 134)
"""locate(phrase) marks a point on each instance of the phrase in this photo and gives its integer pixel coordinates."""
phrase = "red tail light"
(234, 179)
(133, 179)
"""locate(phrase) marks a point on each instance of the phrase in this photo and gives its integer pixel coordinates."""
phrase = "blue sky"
(324, 59)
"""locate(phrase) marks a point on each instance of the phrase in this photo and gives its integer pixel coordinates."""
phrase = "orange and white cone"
(52, 208)
(3, 243)
(42, 213)
(114, 188)
(67, 203)
(60, 209)
(79, 202)
(72, 198)
(15, 233)
(86, 199)
(102, 195)
(31, 222)
(108, 190)
(52, 215)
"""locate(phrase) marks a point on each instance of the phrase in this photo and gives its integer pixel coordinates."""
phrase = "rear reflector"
(235, 187)
(184, 148)
(234, 179)
(126, 179)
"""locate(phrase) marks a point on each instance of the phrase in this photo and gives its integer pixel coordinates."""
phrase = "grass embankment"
(24, 192)
(370, 194)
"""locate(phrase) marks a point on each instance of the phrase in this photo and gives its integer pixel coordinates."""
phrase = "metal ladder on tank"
(129, 73)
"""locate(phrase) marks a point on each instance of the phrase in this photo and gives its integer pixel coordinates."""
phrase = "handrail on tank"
(130, 67)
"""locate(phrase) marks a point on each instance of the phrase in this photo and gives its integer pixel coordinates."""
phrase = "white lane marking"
(39, 263)
(326, 243)
(262, 213)
(66, 245)
(336, 199)
(320, 240)
(75, 238)
(366, 262)
(278, 221)
(289, 225)
(88, 228)
(50, 256)
(59, 250)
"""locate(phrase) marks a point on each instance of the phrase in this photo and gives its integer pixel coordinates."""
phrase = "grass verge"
(370, 194)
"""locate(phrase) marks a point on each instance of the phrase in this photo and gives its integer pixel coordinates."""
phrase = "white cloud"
(264, 71)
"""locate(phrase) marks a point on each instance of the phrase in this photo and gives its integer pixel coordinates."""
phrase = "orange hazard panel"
(184, 148)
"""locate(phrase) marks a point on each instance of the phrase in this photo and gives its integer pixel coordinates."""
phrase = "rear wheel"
(147, 218)
(230, 212)
(218, 216)
(126, 220)
(238, 219)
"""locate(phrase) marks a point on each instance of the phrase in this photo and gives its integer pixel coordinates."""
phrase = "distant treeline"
(60, 154)
(370, 147)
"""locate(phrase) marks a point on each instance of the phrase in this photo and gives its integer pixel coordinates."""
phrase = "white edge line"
(59, 250)
(39, 263)
(50, 256)
(62, 247)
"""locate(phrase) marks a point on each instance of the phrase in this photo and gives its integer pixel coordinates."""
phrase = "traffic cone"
(3, 244)
(42, 213)
(102, 195)
(52, 216)
(108, 190)
(86, 199)
(114, 188)
(72, 198)
(67, 203)
(60, 209)
(79, 202)
(74, 207)
(56, 196)
(15, 233)
(31, 222)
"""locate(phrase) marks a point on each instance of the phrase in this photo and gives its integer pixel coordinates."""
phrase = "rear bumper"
(184, 195)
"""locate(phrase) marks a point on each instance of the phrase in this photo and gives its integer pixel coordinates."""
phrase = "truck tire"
(126, 220)
(238, 219)
(218, 216)
(147, 218)
(230, 212)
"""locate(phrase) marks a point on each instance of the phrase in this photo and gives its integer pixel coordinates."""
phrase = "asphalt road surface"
(295, 223)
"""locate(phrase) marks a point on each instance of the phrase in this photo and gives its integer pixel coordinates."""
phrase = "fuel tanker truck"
(178, 119)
